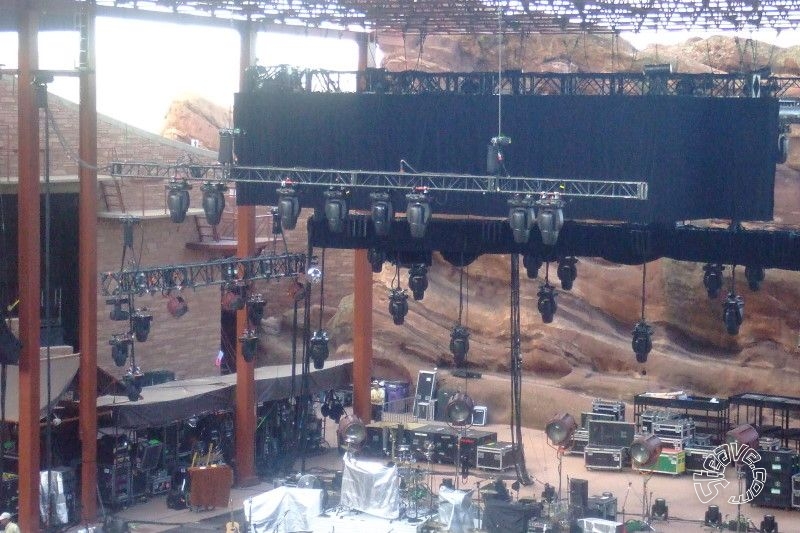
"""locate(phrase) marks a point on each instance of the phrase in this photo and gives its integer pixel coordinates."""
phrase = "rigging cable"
(516, 377)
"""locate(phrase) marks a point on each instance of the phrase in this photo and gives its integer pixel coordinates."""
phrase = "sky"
(143, 66)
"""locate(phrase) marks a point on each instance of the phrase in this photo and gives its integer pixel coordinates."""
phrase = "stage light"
(120, 346)
(532, 264)
(550, 217)
(567, 272)
(744, 435)
(521, 217)
(231, 299)
(459, 345)
(398, 305)
(213, 201)
(713, 517)
(783, 148)
(132, 389)
(547, 302)
(255, 308)
(249, 340)
(560, 429)
(642, 341)
(659, 509)
(418, 213)
(352, 431)
(335, 210)
(177, 306)
(318, 349)
(754, 275)
(418, 280)
(768, 524)
(117, 313)
(382, 213)
(459, 410)
(376, 257)
(645, 450)
(288, 207)
(712, 278)
(733, 313)
(141, 321)
(9, 344)
(178, 199)
(314, 274)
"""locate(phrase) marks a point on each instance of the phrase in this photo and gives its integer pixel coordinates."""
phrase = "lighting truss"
(195, 275)
(632, 190)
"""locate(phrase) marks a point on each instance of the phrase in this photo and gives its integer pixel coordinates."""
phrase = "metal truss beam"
(195, 275)
(360, 179)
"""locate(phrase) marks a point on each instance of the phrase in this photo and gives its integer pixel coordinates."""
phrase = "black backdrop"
(702, 157)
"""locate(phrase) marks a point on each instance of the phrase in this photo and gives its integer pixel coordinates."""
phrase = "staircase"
(112, 195)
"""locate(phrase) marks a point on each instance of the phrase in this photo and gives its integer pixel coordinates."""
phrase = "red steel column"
(362, 303)
(29, 270)
(87, 260)
(245, 372)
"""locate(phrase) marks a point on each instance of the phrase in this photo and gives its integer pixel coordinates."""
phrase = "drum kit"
(414, 480)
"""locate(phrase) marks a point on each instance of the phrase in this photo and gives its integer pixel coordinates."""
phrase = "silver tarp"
(455, 509)
(370, 487)
(283, 510)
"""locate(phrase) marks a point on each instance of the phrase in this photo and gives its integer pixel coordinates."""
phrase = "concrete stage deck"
(685, 510)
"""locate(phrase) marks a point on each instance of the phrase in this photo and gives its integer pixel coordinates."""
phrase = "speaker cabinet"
(579, 494)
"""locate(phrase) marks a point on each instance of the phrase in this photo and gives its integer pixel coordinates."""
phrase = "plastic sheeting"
(455, 509)
(283, 510)
(371, 487)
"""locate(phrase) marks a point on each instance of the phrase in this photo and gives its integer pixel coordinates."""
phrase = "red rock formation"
(194, 120)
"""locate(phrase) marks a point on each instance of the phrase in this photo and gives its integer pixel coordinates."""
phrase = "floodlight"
(733, 313)
(567, 272)
(645, 450)
(712, 278)
(213, 201)
(249, 340)
(560, 429)
(120, 346)
(642, 341)
(459, 344)
(178, 199)
(382, 213)
(141, 321)
(550, 217)
(352, 431)
(521, 217)
(418, 213)
(459, 410)
(418, 280)
(546, 303)
(398, 305)
(335, 210)
(288, 207)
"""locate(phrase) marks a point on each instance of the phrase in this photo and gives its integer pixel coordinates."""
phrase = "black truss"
(166, 278)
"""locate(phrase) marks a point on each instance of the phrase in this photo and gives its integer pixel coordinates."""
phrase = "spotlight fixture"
(117, 313)
(754, 275)
(249, 340)
(567, 272)
(177, 306)
(132, 387)
(231, 299)
(642, 341)
(120, 346)
(376, 258)
(318, 349)
(459, 410)
(352, 432)
(645, 450)
(398, 305)
(288, 207)
(418, 212)
(532, 264)
(550, 217)
(335, 209)
(712, 278)
(560, 429)
(521, 217)
(743, 435)
(255, 308)
(178, 199)
(459, 344)
(10, 345)
(382, 213)
(213, 201)
(547, 302)
(418, 280)
(141, 320)
(733, 313)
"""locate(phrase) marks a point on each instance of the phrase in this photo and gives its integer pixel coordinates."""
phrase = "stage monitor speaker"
(579, 494)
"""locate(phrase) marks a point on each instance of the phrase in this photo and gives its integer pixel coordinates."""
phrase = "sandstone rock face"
(194, 120)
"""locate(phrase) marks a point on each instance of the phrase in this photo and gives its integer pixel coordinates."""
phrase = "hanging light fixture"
(133, 389)
(418, 280)
(232, 299)
(459, 344)
(418, 212)
(318, 349)
(521, 217)
(120, 346)
(117, 313)
(398, 305)
(567, 272)
(141, 321)
(249, 340)
(382, 213)
(288, 207)
(532, 264)
(642, 341)
(560, 429)
(335, 209)
(255, 308)
(178, 199)
(376, 258)
(733, 313)
(177, 306)
(546, 303)
(314, 274)
(213, 201)
(712, 278)
(550, 217)
(755, 275)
